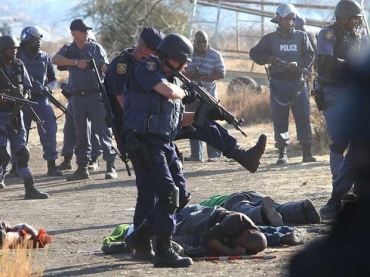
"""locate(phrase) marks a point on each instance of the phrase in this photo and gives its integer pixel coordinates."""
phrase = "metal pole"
(215, 37)
(191, 23)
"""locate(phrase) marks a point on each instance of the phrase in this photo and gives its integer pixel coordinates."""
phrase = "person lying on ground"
(22, 235)
(264, 211)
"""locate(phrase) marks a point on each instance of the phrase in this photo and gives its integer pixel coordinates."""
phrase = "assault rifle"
(305, 71)
(113, 122)
(207, 101)
(16, 100)
(17, 93)
(47, 92)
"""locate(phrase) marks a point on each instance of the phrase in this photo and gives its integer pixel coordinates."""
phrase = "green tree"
(119, 23)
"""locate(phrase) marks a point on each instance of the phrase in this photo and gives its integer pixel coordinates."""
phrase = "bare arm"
(216, 246)
(188, 118)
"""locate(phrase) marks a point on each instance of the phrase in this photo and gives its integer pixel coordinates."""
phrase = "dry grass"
(22, 262)
(253, 108)
(320, 133)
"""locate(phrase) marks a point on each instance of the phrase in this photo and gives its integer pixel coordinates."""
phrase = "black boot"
(31, 192)
(306, 152)
(81, 173)
(250, 159)
(53, 170)
(66, 164)
(283, 156)
(111, 171)
(332, 208)
(140, 242)
(165, 256)
(12, 172)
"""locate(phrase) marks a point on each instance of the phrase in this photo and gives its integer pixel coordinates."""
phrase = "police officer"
(12, 70)
(335, 45)
(70, 140)
(75, 57)
(153, 114)
(42, 74)
(212, 132)
(288, 89)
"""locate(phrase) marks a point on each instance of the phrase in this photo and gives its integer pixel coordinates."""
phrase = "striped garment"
(208, 63)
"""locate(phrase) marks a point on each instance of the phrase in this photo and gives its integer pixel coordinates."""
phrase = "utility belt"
(287, 76)
(84, 92)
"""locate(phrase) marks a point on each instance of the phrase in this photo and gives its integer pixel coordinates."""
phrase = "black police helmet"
(6, 42)
(348, 8)
(177, 47)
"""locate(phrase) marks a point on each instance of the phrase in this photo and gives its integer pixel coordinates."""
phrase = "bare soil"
(80, 214)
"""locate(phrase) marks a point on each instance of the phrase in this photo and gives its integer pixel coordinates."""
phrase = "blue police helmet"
(7, 41)
(177, 47)
(30, 31)
(284, 10)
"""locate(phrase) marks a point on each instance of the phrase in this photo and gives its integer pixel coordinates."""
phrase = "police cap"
(151, 37)
(80, 25)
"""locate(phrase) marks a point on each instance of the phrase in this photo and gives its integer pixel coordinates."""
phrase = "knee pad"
(4, 155)
(172, 201)
(23, 156)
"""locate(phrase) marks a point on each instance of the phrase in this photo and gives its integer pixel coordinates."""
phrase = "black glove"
(191, 94)
(215, 114)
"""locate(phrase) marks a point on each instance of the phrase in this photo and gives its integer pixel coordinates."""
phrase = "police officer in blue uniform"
(11, 117)
(87, 107)
(288, 89)
(70, 139)
(153, 114)
(212, 133)
(42, 74)
(335, 46)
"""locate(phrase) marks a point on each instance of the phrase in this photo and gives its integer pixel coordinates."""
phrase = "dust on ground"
(80, 214)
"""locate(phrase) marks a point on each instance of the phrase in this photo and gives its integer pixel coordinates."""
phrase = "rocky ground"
(80, 214)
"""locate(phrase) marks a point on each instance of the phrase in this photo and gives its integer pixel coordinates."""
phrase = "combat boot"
(165, 256)
(2, 183)
(66, 164)
(250, 159)
(53, 170)
(31, 191)
(332, 208)
(111, 171)
(93, 164)
(12, 172)
(306, 152)
(283, 156)
(81, 173)
(140, 242)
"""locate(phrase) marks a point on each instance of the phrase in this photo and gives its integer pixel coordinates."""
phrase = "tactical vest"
(288, 49)
(344, 46)
(82, 79)
(150, 112)
(16, 77)
(35, 68)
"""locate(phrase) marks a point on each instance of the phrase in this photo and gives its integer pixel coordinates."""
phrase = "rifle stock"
(208, 102)
(114, 122)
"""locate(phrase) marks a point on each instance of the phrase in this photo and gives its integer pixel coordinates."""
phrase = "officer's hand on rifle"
(272, 60)
(2, 100)
(191, 93)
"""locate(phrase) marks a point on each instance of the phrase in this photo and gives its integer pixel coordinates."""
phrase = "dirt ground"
(80, 214)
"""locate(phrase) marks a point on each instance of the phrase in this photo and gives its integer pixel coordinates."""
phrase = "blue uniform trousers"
(284, 97)
(354, 169)
(86, 109)
(70, 139)
(212, 133)
(335, 116)
(159, 179)
(17, 141)
(46, 114)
